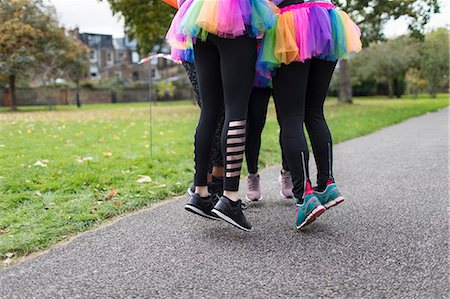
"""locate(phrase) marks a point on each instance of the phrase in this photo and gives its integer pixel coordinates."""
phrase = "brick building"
(118, 57)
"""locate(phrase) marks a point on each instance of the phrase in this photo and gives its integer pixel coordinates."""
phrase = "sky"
(96, 17)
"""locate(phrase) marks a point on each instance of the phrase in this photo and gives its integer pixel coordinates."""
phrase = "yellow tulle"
(207, 18)
(352, 33)
(286, 49)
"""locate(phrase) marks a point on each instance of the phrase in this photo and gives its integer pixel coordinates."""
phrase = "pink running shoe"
(286, 184)
(253, 188)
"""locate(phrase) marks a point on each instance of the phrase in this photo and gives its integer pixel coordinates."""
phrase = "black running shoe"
(231, 212)
(202, 205)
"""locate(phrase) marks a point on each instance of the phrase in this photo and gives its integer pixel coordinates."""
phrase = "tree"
(146, 21)
(435, 60)
(414, 81)
(76, 62)
(389, 61)
(371, 16)
(27, 33)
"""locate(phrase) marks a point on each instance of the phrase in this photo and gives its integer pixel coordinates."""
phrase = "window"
(92, 55)
(135, 57)
(135, 76)
(110, 58)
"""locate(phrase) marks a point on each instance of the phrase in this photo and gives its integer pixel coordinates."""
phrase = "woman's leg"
(237, 62)
(215, 167)
(285, 178)
(289, 87)
(319, 79)
(192, 75)
(207, 63)
(319, 134)
(257, 111)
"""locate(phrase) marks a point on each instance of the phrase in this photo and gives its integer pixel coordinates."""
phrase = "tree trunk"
(391, 88)
(12, 88)
(78, 93)
(433, 93)
(397, 89)
(345, 86)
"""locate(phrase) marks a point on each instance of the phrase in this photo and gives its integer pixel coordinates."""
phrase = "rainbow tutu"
(225, 18)
(303, 31)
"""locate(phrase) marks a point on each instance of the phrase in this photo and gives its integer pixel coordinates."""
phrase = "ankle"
(232, 195)
(202, 191)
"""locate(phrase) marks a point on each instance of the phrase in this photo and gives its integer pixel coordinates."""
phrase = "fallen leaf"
(160, 186)
(37, 193)
(107, 154)
(41, 163)
(7, 261)
(82, 159)
(144, 179)
(117, 203)
(111, 194)
(4, 230)
(49, 205)
(9, 254)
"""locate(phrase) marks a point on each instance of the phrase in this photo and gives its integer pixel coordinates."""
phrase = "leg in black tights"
(216, 159)
(289, 87)
(257, 111)
(226, 69)
(319, 78)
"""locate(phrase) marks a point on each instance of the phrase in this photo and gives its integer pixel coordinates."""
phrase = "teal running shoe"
(310, 209)
(331, 196)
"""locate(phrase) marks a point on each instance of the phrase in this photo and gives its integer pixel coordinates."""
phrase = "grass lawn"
(68, 170)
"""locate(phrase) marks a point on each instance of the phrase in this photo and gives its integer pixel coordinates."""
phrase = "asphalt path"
(388, 239)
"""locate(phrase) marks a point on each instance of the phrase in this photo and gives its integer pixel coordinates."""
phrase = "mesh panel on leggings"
(235, 148)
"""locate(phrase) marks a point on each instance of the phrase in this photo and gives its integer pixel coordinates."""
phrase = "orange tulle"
(286, 49)
(207, 17)
(352, 33)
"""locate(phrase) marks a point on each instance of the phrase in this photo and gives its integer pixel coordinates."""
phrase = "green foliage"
(165, 89)
(388, 61)
(371, 16)
(91, 160)
(421, 64)
(435, 60)
(414, 81)
(146, 21)
(33, 45)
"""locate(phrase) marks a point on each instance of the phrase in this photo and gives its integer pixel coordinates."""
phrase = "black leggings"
(216, 158)
(257, 111)
(300, 90)
(225, 70)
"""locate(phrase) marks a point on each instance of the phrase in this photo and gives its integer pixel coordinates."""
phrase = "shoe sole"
(284, 196)
(199, 212)
(189, 191)
(256, 199)
(312, 216)
(229, 220)
(334, 202)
